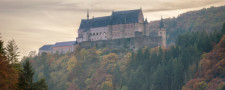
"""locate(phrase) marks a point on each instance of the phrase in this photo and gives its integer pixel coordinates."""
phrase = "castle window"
(93, 34)
(96, 34)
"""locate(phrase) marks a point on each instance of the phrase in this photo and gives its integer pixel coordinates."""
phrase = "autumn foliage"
(8, 75)
(211, 73)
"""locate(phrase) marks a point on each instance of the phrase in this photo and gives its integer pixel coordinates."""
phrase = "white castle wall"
(99, 33)
(63, 49)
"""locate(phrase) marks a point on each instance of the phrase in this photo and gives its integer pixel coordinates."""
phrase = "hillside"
(209, 19)
(211, 73)
(112, 69)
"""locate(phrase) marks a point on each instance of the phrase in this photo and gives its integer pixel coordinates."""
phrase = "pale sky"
(34, 23)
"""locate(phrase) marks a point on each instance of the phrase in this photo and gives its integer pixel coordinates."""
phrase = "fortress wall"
(98, 33)
(132, 43)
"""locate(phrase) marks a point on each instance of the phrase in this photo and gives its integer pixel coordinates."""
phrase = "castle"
(58, 47)
(129, 24)
(120, 24)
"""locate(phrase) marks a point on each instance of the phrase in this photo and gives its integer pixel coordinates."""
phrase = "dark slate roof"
(46, 47)
(61, 44)
(121, 17)
(85, 23)
(100, 21)
(118, 17)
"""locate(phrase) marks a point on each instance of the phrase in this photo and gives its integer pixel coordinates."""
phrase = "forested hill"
(146, 69)
(209, 19)
(211, 73)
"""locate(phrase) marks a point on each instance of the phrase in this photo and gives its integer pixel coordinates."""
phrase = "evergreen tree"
(116, 76)
(12, 52)
(26, 79)
(26, 76)
(2, 49)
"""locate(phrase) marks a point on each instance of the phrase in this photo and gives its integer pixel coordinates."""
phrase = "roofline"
(111, 14)
(65, 41)
(96, 17)
(126, 10)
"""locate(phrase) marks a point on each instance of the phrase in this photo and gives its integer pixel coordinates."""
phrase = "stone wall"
(44, 51)
(63, 49)
(98, 33)
(131, 43)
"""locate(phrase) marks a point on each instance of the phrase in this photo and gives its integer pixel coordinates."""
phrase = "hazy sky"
(33, 23)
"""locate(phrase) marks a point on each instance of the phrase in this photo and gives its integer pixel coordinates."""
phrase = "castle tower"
(162, 33)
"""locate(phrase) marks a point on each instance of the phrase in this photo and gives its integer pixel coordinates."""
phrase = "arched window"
(93, 34)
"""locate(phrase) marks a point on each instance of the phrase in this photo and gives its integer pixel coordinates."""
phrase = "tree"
(12, 52)
(26, 76)
(32, 54)
(40, 85)
(2, 49)
(124, 88)
(71, 63)
(116, 76)
(8, 75)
